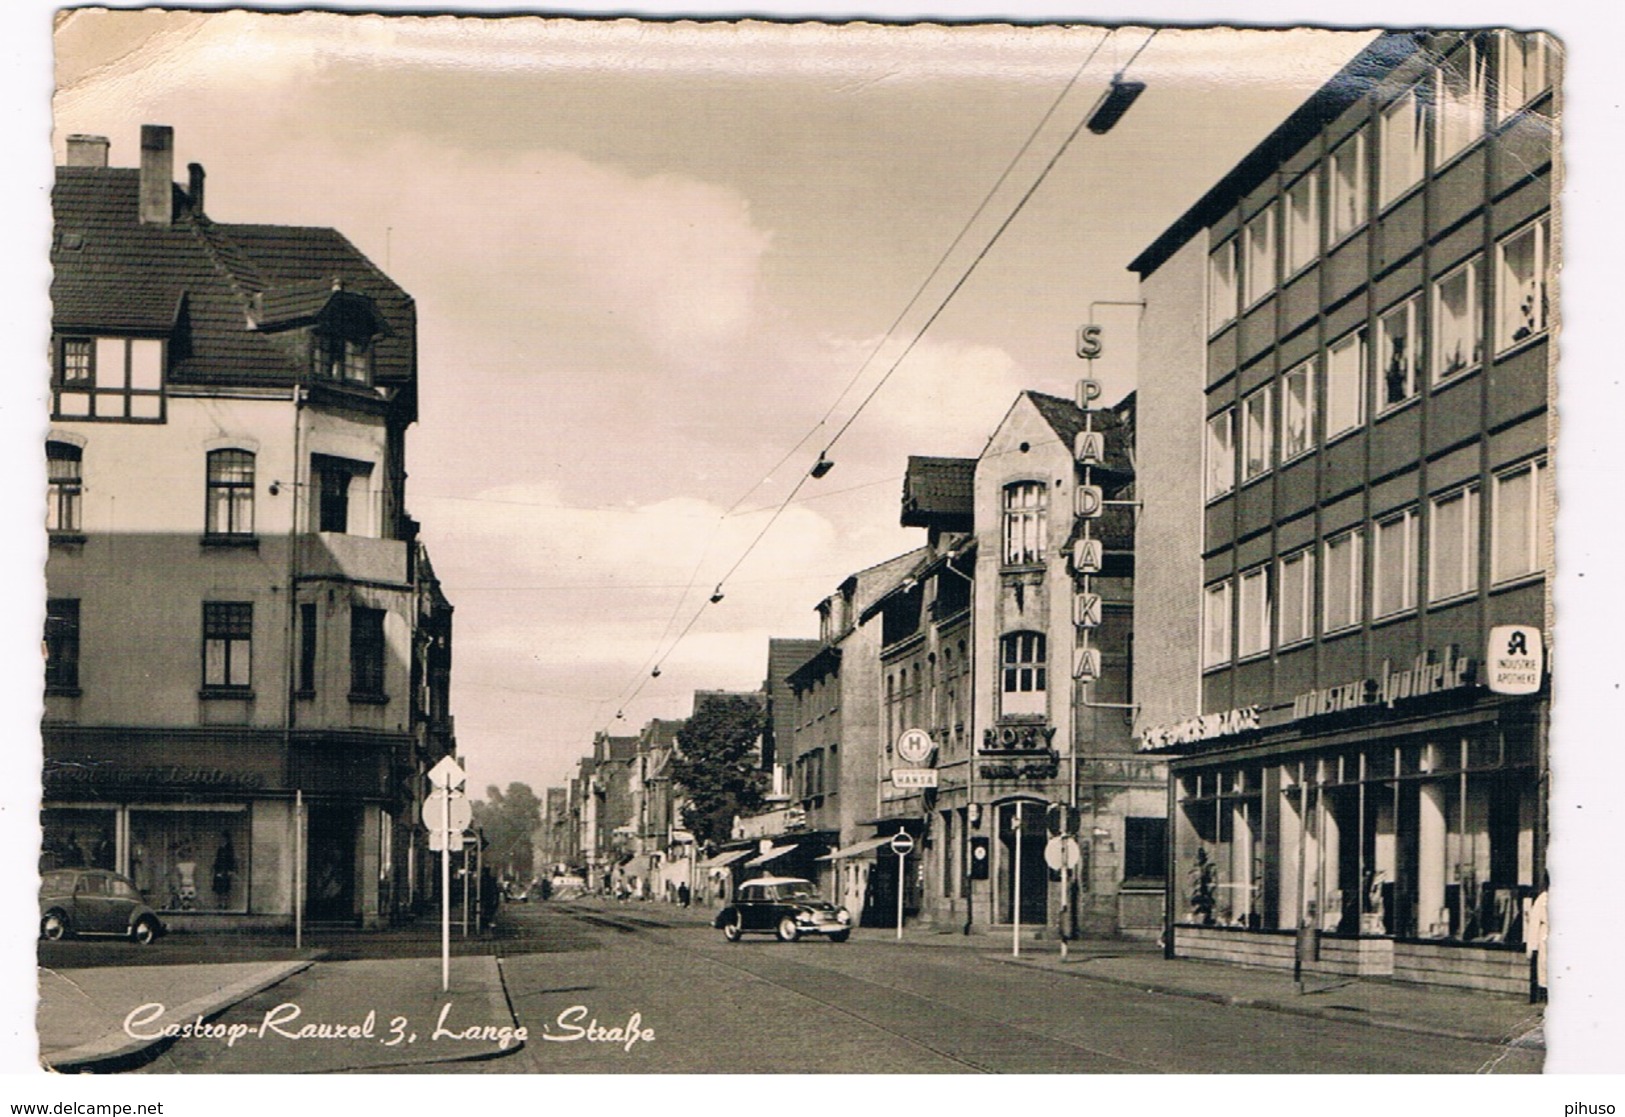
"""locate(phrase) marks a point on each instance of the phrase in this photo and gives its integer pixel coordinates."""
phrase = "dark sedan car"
(784, 906)
(94, 902)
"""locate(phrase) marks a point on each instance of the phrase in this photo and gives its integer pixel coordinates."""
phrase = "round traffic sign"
(914, 746)
(434, 813)
(902, 844)
(1063, 852)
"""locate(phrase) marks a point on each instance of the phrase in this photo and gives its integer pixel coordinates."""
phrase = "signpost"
(439, 812)
(1015, 891)
(902, 845)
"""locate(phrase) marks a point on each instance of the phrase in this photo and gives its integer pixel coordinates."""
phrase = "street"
(641, 989)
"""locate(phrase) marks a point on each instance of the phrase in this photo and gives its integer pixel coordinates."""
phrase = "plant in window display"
(1204, 886)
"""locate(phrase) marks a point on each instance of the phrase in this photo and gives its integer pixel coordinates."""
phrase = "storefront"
(1373, 829)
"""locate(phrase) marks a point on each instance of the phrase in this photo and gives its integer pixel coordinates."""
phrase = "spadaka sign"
(1419, 678)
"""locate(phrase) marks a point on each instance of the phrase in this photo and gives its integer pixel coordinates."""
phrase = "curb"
(1266, 1004)
(114, 1049)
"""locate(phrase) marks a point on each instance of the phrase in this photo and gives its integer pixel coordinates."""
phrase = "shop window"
(230, 505)
(367, 653)
(65, 486)
(187, 860)
(1216, 624)
(1343, 582)
(1025, 673)
(1348, 187)
(1221, 285)
(1524, 71)
(1253, 624)
(1401, 153)
(1520, 540)
(1399, 350)
(1522, 281)
(1258, 277)
(228, 642)
(1457, 337)
(78, 838)
(1296, 582)
(1459, 89)
(1453, 544)
(1145, 849)
(109, 378)
(1298, 411)
(1026, 505)
(1257, 449)
(1394, 570)
(1221, 453)
(62, 645)
(1345, 383)
(1302, 225)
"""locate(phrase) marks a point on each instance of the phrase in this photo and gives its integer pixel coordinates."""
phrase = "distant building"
(239, 616)
(1353, 593)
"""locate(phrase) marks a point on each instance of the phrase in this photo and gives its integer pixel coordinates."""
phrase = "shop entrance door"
(330, 868)
(1032, 888)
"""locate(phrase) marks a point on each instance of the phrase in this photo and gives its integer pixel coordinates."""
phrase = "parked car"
(94, 902)
(788, 907)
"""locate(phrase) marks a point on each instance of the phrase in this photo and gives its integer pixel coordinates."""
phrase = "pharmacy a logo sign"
(1514, 659)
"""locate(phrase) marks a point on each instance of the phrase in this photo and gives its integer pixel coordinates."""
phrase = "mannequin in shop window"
(185, 876)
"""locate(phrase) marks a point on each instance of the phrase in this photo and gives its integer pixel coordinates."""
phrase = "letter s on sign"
(1089, 344)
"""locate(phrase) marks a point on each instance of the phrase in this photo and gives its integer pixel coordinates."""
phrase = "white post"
(900, 885)
(445, 886)
(298, 869)
(1015, 892)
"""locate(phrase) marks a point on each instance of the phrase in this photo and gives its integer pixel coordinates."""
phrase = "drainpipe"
(290, 707)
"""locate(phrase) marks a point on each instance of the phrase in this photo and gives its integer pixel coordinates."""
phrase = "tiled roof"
(1117, 423)
(785, 655)
(934, 488)
(206, 285)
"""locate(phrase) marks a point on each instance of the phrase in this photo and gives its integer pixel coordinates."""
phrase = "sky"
(646, 265)
(649, 259)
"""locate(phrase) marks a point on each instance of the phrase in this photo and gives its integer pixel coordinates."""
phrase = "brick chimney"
(194, 186)
(87, 151)
(157, 174)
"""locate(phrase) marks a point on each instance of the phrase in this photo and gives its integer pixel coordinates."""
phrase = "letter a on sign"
(1086, 665)
(1086, 556)
(1089, 448)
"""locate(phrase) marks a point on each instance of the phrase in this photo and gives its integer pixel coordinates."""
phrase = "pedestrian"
(683, 894)
(1534, 938)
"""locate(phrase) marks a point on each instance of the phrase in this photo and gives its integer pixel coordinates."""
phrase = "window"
(1221, 285)
(1253, 635)
(366, 652)
(347, 360)
(1459, 101)
(1302, 231)
(1025, 676)
(64, 486)
(228, 642)
(230, 508)
(306, 683)
(1519, 541)
(335, 508)
(1221, 453)
(1298, 410)
(1216, 624)
(1523, 71)
(1398, 348)
(1256, 449)
(1401, 154)
(1296, 582)
(109, 378)
(62, 644)
(1025, 519)
(1259, 277)
(1345, 383)
(1394, 575)
(1348, 201)
(1343, 582)
(1522, 274)
(1457, 342)
(1145, 848)
(1453, 544)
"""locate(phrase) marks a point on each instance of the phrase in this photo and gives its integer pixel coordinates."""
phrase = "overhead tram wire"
(823, 459)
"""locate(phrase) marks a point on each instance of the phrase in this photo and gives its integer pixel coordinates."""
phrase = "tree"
(508, 822)
(716, 764)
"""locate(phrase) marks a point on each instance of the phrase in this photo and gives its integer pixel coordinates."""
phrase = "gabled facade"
(239, 613)
(1356, 325)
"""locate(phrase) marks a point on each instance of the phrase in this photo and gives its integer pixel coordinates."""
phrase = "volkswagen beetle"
(94, 902)
(788, 907)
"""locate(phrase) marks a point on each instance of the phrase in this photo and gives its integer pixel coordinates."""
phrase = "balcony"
(356, 558)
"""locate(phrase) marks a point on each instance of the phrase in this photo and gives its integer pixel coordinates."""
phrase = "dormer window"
(343, 360)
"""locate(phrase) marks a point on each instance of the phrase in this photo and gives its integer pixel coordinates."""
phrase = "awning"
(770, 855)
(723, 859)
(857, 847)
